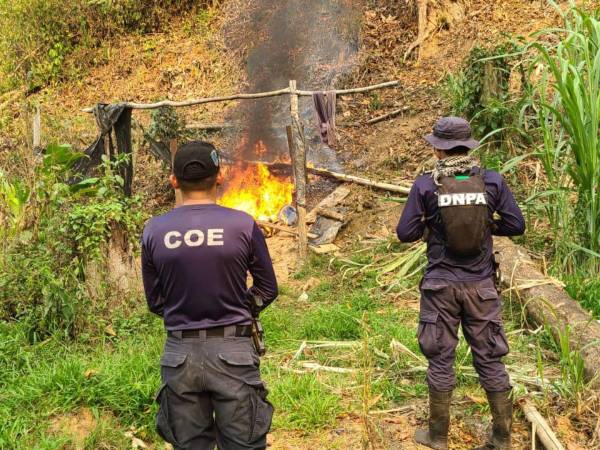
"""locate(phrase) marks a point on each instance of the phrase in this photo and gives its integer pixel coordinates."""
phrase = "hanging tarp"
(111, 120)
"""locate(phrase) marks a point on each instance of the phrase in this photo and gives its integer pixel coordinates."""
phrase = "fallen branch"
(531, 381)
(299, 351)
(389, 115)
(319, 367)
(401, 410)
(331, 214)
(540, 427)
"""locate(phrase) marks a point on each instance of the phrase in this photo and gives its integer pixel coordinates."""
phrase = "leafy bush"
(480, 92)
(39, 36)
(42, 270)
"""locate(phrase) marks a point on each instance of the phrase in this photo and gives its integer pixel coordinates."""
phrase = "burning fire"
(256, 191)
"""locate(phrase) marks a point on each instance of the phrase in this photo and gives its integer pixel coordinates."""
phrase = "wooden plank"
(333, 199)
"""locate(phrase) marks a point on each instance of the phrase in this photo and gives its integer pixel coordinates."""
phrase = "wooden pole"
(405, 190)
(225, 98)
(173, 150)
(540, 427)
(298, 156)
(359, 180)
(37, 129)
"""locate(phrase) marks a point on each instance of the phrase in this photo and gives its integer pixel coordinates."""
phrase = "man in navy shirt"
(195, 262)
(458, 286)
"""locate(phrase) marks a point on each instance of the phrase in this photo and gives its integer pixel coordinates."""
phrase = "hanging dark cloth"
(325, 115)
(108, 118)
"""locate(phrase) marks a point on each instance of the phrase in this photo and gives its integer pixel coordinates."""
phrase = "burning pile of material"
(254, 189)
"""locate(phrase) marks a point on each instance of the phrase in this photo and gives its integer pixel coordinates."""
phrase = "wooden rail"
(226, 98)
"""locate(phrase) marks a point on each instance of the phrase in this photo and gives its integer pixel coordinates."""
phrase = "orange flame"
(256, 191)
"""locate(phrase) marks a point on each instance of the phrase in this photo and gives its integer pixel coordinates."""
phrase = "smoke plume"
(313, 42)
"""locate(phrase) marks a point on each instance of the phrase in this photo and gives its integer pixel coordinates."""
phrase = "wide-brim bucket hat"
(452, 132)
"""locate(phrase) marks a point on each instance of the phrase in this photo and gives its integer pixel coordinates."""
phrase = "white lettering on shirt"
(169, 243)
(215, 237)
(194, 238)
(470, 198)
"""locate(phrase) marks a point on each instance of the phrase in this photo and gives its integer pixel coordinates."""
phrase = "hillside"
(344, 367)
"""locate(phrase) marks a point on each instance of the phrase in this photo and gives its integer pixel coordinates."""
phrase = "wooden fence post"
(298, 156)
(37, 129)
(173, 150)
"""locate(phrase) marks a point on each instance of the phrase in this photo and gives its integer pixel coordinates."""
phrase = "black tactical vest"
(464, 213)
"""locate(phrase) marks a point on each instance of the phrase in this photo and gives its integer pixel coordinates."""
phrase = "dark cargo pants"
(212, 393)
(475, 304)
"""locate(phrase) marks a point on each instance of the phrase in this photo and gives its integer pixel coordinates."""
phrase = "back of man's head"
(196, 166)
(461, 150)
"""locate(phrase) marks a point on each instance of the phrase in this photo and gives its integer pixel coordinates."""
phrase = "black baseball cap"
(196, 160)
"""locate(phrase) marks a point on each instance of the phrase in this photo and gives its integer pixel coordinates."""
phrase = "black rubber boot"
(436, 436)
(501, 406)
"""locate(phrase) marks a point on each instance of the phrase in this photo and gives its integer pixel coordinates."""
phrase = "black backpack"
(463, 210)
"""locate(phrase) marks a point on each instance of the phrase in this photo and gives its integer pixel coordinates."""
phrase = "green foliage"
(572, 384)
(568, 96)
(47, 40)
(489, 106)
(166, 125)
(14, 195)
(42, 277)
(585, 289)
(482, 93)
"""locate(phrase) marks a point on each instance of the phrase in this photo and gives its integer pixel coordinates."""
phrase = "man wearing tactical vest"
(458, 207)
(195, 262)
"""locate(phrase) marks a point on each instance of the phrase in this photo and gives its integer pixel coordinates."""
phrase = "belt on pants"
(232, 330)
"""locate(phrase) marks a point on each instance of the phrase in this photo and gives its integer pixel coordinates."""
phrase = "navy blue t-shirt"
(195, 265)
(421, 211)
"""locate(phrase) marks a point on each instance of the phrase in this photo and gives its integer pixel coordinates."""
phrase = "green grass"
(586, 290)
(45, 380)
(116, 377)
(303, 402)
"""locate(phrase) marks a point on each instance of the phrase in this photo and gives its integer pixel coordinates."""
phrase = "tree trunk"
(548, 304)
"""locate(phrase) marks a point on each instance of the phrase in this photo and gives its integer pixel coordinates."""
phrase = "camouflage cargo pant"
(212, 393)
(477, 306)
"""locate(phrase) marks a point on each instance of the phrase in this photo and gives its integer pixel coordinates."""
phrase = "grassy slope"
(115, 377)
